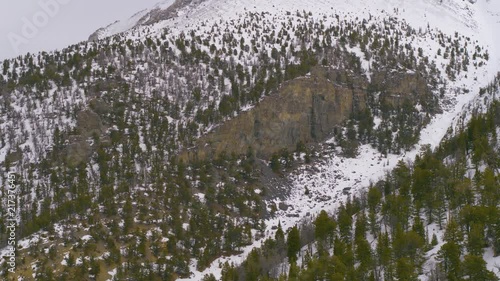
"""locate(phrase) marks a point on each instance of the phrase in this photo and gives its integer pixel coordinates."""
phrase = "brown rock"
(89, 123)
(307, 109)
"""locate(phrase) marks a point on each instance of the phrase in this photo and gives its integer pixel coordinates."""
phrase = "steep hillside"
(310, 109)
(436, 218)
(181, 142)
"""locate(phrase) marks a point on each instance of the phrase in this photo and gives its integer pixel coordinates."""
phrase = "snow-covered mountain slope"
(154, 74)
(138, 19)
(448, 15)
(331, 183)
(119, 26)
(479, 103)
(475, 19)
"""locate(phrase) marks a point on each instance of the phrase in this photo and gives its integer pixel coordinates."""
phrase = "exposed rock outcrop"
(79, 149)
(306, 109)
(89, 123)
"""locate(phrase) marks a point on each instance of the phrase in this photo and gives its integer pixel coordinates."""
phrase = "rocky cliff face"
(305, 109)
(79, 150)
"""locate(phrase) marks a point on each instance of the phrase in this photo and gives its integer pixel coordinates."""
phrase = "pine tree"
(453, 232)
(449, 257)
(475, 239)
(128, 216)
(345, 224)
(363, 254)
(474, 268)
(293, 243)
(405, 270)
(324, 229)
(280, 235)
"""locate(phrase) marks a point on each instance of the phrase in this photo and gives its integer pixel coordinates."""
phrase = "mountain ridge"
(425, 11)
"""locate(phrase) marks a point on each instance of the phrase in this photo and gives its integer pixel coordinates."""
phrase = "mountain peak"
(161, 11)
(447, 15)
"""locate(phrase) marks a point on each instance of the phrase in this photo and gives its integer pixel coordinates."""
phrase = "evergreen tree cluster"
(448, 199)
(151, 213)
